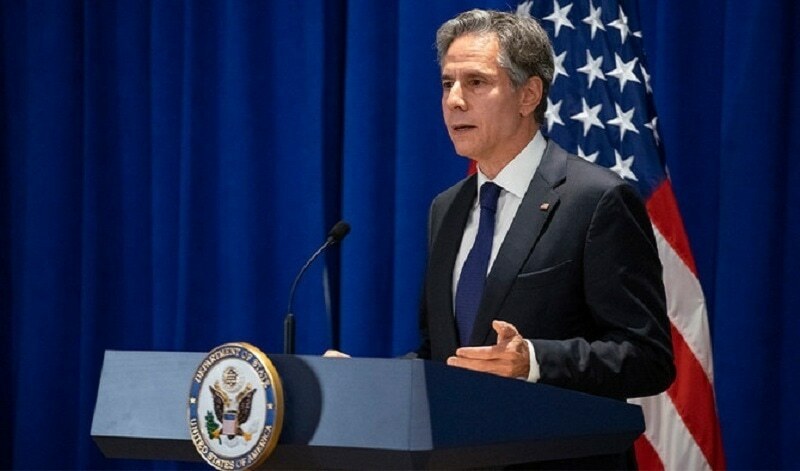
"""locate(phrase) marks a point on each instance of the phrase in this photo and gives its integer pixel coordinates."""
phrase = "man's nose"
(455, 98)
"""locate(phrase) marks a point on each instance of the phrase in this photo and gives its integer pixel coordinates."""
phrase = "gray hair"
(525, 49)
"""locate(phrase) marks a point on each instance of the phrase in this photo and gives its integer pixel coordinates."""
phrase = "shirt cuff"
(533, 373)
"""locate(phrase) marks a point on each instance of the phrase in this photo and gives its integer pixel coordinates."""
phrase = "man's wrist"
(533, 373)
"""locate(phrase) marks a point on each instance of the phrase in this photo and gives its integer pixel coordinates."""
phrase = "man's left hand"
(509, 357)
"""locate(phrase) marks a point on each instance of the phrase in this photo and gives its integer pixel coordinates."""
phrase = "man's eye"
(447, 85)
(475, 82)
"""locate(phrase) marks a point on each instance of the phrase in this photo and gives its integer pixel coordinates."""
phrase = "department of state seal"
(235, 407)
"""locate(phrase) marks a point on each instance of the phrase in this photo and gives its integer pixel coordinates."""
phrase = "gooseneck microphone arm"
(288, 321)
(336, 234)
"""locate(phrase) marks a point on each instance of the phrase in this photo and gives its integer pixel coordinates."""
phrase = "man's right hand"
(334, 354)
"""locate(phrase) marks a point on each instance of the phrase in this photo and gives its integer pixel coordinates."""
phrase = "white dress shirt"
(513, 180)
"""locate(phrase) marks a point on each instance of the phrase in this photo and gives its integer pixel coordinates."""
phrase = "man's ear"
(532, 91)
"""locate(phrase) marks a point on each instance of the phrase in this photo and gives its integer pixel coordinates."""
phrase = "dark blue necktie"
(473, 275)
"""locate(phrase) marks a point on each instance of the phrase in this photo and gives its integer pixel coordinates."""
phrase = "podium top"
(410, 407)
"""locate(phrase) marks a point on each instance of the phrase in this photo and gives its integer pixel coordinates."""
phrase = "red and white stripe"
(682, 425)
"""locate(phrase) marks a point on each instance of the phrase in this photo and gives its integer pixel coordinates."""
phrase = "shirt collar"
(516, 176)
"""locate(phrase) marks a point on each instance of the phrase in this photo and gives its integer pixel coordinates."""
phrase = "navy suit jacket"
(578, 274)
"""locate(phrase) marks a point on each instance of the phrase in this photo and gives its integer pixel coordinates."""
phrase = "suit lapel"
(521, 238)
(443, 257)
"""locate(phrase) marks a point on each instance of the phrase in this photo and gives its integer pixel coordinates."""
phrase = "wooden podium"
(367, 413)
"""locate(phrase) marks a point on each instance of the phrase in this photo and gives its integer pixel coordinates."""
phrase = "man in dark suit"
(541, 266)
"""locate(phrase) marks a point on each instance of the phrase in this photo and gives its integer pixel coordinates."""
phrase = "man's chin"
(473, 164)
(463, 151)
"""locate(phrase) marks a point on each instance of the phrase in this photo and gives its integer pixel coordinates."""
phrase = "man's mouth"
(463, 127)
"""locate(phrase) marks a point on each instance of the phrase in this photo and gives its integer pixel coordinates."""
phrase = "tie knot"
(489, 194)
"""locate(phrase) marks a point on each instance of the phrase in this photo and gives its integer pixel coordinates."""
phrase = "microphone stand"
(288, 321)
(336, 234)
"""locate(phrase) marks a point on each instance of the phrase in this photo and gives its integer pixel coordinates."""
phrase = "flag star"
(553, 114)
(589, 117)
(653, 126)
(591, 157)
(559, 16)
(623, 121)
(624, 71)
(592, 68)
(558, 61)
(646, 78)
(593, 19)
(623, 167)
(621, 24)
(524, 8)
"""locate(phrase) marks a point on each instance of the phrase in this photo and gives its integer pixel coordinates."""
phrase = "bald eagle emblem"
(235, 407)
(233, 402)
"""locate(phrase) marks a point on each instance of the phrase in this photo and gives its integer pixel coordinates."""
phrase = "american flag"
(600, 107)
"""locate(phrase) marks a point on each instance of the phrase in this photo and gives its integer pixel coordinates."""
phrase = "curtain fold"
(759, 232)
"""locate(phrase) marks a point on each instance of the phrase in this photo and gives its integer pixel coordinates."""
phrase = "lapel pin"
(544, 206)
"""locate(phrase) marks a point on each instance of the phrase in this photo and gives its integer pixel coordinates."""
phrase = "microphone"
(335, 235)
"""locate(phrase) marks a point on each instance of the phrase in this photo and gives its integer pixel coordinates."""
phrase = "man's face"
(482, 110)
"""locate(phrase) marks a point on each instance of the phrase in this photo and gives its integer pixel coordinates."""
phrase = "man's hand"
(509, 357)
(330, 353)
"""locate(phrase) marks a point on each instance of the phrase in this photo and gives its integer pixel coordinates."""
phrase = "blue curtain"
(729, 108)
(168, 166)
